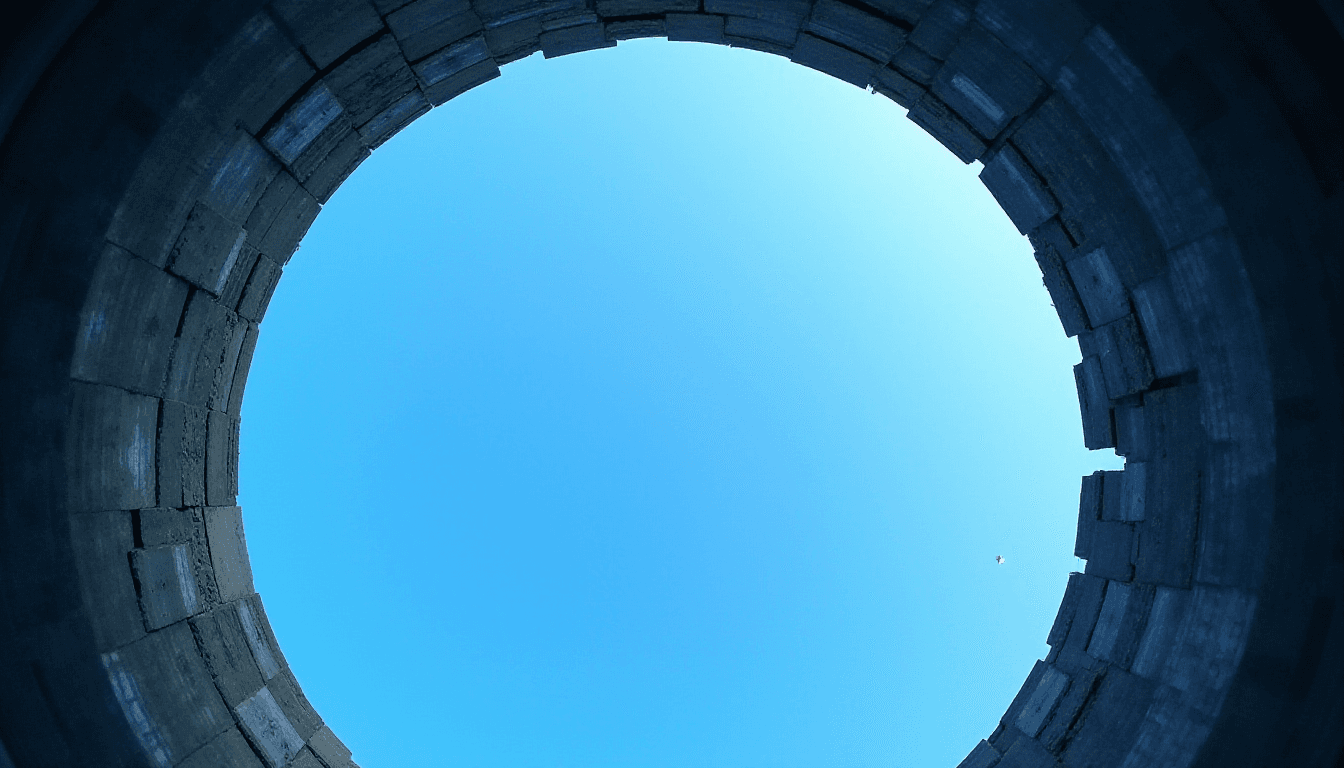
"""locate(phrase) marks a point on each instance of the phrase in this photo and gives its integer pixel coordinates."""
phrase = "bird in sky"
(998, 559)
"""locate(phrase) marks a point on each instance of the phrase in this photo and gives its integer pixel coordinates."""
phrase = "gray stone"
(986, 83)
(694, 28)
(847, 25)
(575, 39)
(1062, 293)
(427, 25)
(166, 581)
(221, 459)
(940, 28)
(101, 541)
(224, 645)
(983, 756)
(1019, 190)
(181, 455)
(328, 28)
(268, 728)
(1094, 404)
(1099, 286)
(228, 552)
(1049, 690)
(110, 458)
(933, 116)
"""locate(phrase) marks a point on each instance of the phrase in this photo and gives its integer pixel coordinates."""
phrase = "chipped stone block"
(295, 705)
(896, 86)
(1124, 357)
(634, 29)
(227, 750)
(207, 329)
(940, 28)
(1089, 512)
(609, 8)
(235, 402)
(1120, 624)
(372, 80)
(332, 751)
(207, 249)
(915, 64)
(983, 756)
(1111, 549)
(260, 287)
(240, 178)
(390, 121)
(1042, 32)
(1108, 731)
(1075, 621)
(1162, 327)
(838, 62)
(257, 631)
(342, 161)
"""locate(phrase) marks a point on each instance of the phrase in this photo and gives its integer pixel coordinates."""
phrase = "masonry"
(1176, 165)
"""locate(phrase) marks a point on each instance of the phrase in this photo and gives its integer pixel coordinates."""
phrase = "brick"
(221, 459)
(219, 634)
(101, 541)
(933, 116)
(1089, 512)
(166, 582)
(609, 8)
(1162, 327)
(1109, 729)
(260, 287)
(575, 39)
(635, 28)
(127, 325)
(371, 80)
(986, 83)
(110, 450)
(207, 329)
(983, 756)
(1041, 703)
(940, 28)
(156, 680)
(267, 727)
(330, 749)
(181, 454)
(1019, 190)
(337, 166)
(1120, 625)
(1042, 32)
(294, 704)
(1094, 405)
(694, 28)
(897, 87)
(915, 64)
(1112, 549)
(1099, 286)
(235, 403)
(326, 29)
(257, 631)
(1063, 295)
(854, 29)
(426, 26)
(227, 750)
(390, 121)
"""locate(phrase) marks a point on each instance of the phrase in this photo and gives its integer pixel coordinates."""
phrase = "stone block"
(220, 636)
(513, 38)
(390, 121)
(282, 218)
(983, 756)
(372, 80)
(1162, 327)
(456, 69)
(234, 405)
(127, 326)
(238, 276)
(260, 287)
(330, 749)
(463, 81)
(1019, 190)
(1075, 621)
(841, 63)
(240, 178)
(306, 759)
(694, 28)
(257, 631)
(915, 64)
(610, 8)
(181, 454)
(111, 448)
(295, 705)
(1108, 730)
(1131, 432)
(1041, 703)
(222, 388)
(785, 13)
(1124, 357)
(228, 552)
(166, 581)
(302, 125)
(156, 680)
(227, 750)
(986, 83)
(207, 328)
(1095, 406)
(941, 27)
(101, 541)
(575, 39)
(1062, 293)
(425, 26)
(221, 459)
(207, 249)
(933, 116)
(1038, 671)
(1089, 512)
(269, 730)
(1120, 625)
(633, 29)
(1099, 286)
(1042, 32)
(165, 527)
(855, 29)
(896, 86)
(1172, 496)
(906, 13)
(327, 29)
(1160, 633)
(337, 166)
(1112, 551)
(1027, 753)
(737, 28)
(255, 93)
(1064, 722)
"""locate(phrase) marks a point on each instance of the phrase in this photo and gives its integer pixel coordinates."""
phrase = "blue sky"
(662, 407)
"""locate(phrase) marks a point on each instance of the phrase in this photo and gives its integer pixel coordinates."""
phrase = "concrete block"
(101, 541)
(257, 631)
(207, 249)
(1162, 327)
(240, 178)
(166, 582)
(228, 552)
(295, 705)
(326, 746)
(1042, 32)
(634, 29)
(1041, 703)
(220, 636)
(206, 331)
(259, 289)
(1062, 293)
(694, 28)
(1112, 549)
(1089, 512)
(269, 730)
(1099, 287)
(425, 26)
(127, 325)
(337, 166)
(1120, 625)
(390, 121)
(983, 756)
(933, 116)
(156, 680)
(1095, 406)
(111, 448)
(326, 29)
(372, 80)
(302, 124)
(610, 8)
(1124, 357)
(1131, 432)
(575, 39)
(941, 27)
(1172, 494)
(228, 750)
(986, 83)
(181, 454)
(235, 402)
(785, 13)
(1106, 733)
(1019, 190)
(841, 63)
(851, 27)
(915, 64)
(896, 86)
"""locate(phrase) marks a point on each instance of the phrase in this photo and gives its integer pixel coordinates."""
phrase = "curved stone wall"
(1176, 165)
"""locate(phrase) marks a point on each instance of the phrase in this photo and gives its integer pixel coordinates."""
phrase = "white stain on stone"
(260, 650)
(268, 728)
(186, 580)
(232, 259)
(982, 101)
(138, 459)
(127, 690)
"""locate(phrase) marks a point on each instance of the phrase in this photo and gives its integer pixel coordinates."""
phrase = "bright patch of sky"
(662, 407)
